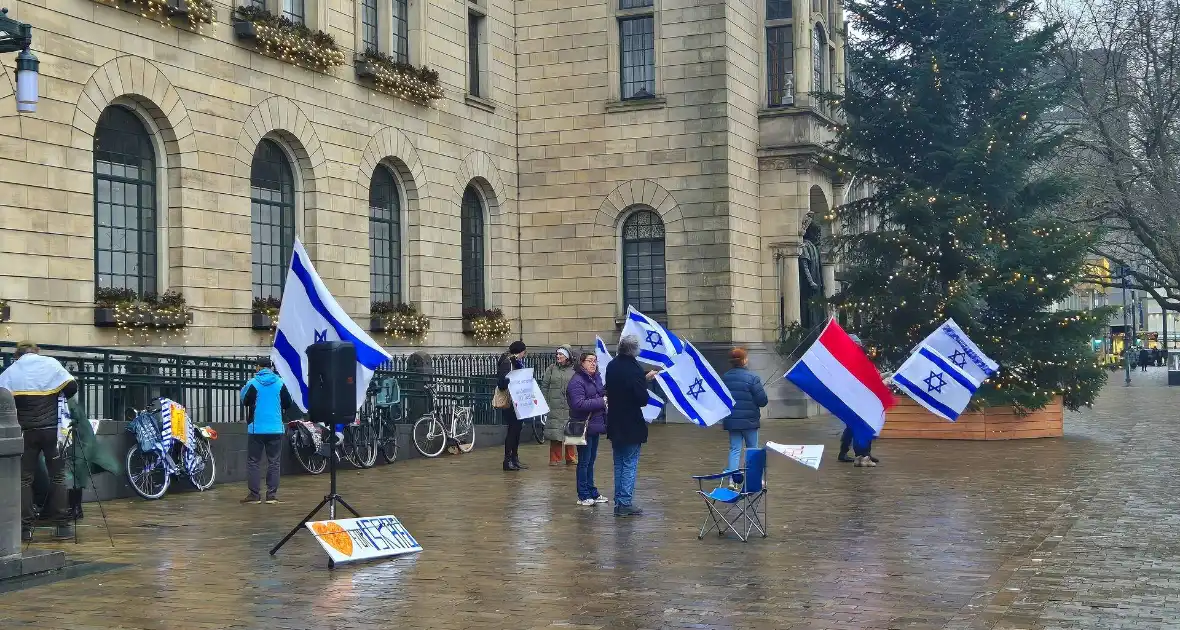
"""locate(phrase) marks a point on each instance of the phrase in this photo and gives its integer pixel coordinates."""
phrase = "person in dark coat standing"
(749, 398)
(511, 360)
(626, 392)
(1144, 358)
(587, 401)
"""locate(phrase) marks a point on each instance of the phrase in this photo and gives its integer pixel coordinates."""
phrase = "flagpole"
(817, 336)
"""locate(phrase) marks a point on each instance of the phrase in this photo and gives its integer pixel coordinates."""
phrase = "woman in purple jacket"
(587, 399)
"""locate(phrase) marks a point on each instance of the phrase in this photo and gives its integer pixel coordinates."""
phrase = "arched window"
(385, 234)
(272, 219)
(124, 203)
(644, 279)
(473, 249)
(819, 50)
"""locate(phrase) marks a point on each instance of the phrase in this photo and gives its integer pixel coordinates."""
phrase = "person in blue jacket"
(749, 398)
(265, 398)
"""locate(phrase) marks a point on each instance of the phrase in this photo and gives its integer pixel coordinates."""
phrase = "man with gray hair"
(626, 395)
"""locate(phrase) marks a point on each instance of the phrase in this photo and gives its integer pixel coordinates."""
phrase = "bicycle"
(539, 428)
(304, 437)
(431, 435)
(384, 414)
(357, 446)
(150, 466)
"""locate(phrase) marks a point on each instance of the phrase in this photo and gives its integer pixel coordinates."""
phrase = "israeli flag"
(951, 342)
(695, 389)
(655, 404)
(936, 383)
(657, 345)
(603, 355)
(309, 314)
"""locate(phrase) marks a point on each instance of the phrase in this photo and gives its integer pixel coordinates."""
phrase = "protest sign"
(807, 454)
(527, 400)
(352, 539)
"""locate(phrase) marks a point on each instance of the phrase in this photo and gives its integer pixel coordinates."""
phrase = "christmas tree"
(946, 117)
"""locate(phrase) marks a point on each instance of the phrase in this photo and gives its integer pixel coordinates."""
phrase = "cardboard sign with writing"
(352, 539)
(527, 400)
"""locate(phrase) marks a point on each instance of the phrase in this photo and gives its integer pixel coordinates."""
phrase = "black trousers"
(846, 443)
(512, 440)
(40, 442)
(272, 445)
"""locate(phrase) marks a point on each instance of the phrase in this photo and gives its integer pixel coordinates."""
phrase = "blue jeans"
(586, 456)
(626, 470)
(749, 438)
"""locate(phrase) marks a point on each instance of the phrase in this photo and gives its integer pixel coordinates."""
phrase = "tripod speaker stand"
(331, 393)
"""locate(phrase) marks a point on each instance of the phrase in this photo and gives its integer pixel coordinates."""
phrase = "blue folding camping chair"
(732, 510)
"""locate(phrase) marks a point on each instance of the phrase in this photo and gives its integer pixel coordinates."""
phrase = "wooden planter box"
(908, 419)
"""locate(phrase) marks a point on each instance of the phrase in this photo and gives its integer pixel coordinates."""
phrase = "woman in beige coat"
(557, 380)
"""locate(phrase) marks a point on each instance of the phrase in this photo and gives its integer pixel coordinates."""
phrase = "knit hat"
(563, 352)
(737, 357)
(517, 347)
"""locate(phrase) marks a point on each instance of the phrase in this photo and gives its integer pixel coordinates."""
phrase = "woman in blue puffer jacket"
(749, 397)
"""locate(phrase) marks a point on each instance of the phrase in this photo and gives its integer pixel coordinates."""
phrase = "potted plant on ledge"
(278, 37)
(265, 313)
(401, 321)
(485, 325)
(418, 85)
(125, 308)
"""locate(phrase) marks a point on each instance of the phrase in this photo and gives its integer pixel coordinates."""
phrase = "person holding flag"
(626, 391)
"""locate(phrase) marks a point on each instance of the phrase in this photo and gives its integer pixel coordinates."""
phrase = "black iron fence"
(114, 383)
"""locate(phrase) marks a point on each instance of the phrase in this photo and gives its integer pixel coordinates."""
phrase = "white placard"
(352, 539)
(807, 454)
(527, 400)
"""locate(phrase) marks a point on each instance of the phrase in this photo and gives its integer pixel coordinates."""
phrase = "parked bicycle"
(383, 415)
(539, 428)
(432, 433)
(355, 444)
(150, 464)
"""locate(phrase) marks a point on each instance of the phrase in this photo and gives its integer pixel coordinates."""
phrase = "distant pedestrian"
(749, 397)
(1144, 358)
(587, 400)
(626, 391)
(557, 380)
(513, 359)
(864, 456)
(266, 398)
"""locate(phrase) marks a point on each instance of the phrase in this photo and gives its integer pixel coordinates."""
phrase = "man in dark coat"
(626, 396)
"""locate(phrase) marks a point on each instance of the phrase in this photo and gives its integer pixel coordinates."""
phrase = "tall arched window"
(272, 218)
(644, 278)
(124, 203)
(473, 249)
(819, 50)
(385, 234)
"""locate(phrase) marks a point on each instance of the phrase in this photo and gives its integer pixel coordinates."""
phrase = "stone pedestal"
(12, 562)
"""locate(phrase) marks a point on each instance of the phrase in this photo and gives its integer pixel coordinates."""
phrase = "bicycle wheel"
(539, 429)
(429, 437)
(387, 441)
(303, 448)
(464, 431)
(365, 445)
(146, 473)
(203, 480)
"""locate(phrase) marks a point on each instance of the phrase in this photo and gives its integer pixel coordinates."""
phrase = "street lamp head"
(27, 88)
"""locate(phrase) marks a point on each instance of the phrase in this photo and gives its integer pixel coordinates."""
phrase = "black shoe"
(845, 458)
(510, 465)
(519, 466)
(26, 535)
(62, 532)
(627, 510)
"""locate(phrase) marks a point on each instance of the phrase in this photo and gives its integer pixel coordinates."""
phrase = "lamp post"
(18, 37)
(1126, 347)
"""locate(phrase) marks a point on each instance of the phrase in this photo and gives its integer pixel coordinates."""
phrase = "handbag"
(500, 399)
(575, 432)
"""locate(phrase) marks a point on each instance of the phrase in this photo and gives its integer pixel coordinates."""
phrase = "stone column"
(790, 288)
(12, 444)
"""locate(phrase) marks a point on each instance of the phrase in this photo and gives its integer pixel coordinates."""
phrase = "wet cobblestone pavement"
(1080, 532)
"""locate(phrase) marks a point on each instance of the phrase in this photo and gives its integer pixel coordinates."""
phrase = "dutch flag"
(309, 314)
(838, 375)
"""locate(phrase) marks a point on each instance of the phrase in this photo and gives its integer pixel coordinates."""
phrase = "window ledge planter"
(263, 321)
(417, 85)
(276, 36)
(197, 13)
(400, 321)
(486, 325)
(124, 308)
(264, 313)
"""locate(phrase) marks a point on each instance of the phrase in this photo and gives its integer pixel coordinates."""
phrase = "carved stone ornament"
(806, 223)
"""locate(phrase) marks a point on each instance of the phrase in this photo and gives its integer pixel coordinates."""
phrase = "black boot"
(516, 462)
(510, 465)
(75, 511)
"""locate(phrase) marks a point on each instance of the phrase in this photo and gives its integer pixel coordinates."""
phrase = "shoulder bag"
(500, 399)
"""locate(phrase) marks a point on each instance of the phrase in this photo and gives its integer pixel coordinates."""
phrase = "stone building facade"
(585, 154)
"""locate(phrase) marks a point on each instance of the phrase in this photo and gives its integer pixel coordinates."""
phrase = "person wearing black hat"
(511, 360)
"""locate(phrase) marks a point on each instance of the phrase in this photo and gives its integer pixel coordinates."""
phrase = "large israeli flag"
(657, 345)
(934, 382)
(655, 404)
(654, 407)
(952, 343)
(309, 314)
(694, 388)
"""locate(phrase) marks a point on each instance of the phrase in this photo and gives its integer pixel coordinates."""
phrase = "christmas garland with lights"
(401, 321)
(167, 311)
(198, 12)
(486, 324)
(268, 306)
(292, 42)
(417, 84)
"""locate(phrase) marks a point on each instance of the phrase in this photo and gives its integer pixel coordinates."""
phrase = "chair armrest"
(719, 475)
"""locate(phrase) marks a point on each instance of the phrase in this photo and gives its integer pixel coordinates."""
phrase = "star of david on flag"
(657, 345)
(950, 342)
(936, 383)
(695, 389)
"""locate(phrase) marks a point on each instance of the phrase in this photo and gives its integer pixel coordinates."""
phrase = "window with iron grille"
(638, 56)
(124, 203)
(778, 9)
(369, 37)
(272, 219)
(295, 11)
(385, 248)
(819, 48)
(474, 23)
(780, 66)
(644, 278)
(401, 31)
(472, 219)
